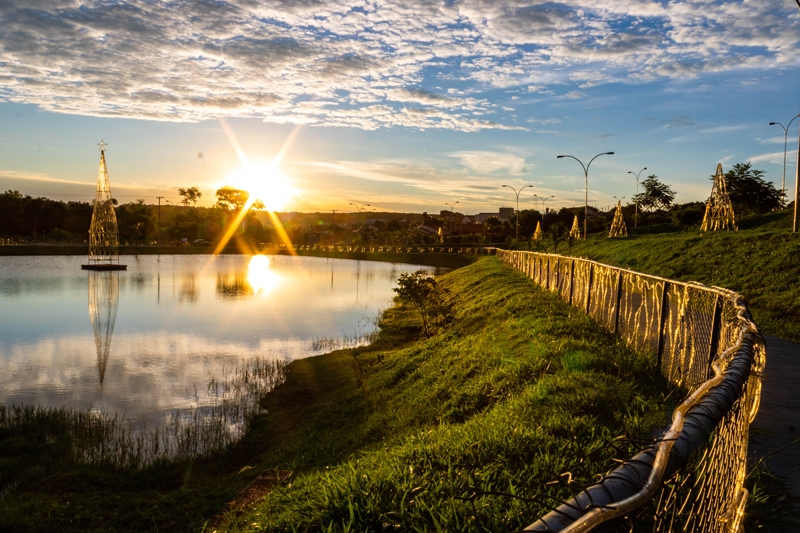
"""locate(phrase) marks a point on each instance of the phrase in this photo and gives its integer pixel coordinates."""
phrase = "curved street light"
(516, 217)
(586, 175)
(785, 138)
(636, 198)
(359, 212)
(543, 199)
(452, 212)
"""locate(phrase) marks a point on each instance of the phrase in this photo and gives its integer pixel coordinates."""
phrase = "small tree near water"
(427, 297)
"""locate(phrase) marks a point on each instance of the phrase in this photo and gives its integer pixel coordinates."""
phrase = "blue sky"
(403, 105)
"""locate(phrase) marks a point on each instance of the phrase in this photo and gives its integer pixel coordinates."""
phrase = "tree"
(493, 225)
(749, 192)
(688, 215)
(655, 196)
(190, 195)
(229, 199)
(427, 297)
(557, 233)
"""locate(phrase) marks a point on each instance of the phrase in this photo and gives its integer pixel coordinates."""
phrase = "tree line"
(25, 218)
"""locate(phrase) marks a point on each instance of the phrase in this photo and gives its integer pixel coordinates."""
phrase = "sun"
(263, 183)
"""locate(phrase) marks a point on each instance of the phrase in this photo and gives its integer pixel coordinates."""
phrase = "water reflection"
(175, 321)
(103, 304)
(233, 286)
(260, 276)
(190, 291)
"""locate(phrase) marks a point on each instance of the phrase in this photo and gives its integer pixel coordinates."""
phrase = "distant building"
(504, 213)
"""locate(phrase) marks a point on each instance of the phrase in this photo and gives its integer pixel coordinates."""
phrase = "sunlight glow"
(264, 183)
(260, 276)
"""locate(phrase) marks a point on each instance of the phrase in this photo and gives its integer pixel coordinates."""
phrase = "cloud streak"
(414, 64)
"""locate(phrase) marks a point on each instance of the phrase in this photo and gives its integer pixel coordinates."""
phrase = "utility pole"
(333, 225)
(159, 216)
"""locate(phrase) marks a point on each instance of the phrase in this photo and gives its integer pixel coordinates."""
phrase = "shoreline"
(450, 260)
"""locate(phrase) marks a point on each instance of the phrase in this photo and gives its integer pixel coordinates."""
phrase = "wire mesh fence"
(702, 339)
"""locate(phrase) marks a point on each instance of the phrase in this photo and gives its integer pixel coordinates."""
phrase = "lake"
(146, 341)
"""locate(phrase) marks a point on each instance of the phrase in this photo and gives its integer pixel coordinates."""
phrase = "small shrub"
(430, 300)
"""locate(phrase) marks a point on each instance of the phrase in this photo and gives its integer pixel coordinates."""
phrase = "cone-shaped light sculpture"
(103, 233)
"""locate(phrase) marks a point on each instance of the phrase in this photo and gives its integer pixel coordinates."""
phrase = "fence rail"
(705, 344)
(413, 249)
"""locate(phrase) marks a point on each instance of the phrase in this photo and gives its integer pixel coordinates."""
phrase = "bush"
(429, 299)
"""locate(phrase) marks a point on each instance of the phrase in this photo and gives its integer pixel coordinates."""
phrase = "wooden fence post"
(589, 288)
(619, 299)
(571, 279)
(716, 330)
(661, 321)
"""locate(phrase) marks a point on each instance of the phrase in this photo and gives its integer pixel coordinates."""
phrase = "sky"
(406, 106)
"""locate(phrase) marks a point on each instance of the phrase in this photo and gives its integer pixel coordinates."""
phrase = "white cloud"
(357, 64)
(484, 162)
(774, 157)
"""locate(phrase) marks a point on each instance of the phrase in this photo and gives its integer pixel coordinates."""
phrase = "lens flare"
(263, 183)
(260, 275)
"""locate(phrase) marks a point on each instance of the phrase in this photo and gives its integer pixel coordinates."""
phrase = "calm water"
(146, 341)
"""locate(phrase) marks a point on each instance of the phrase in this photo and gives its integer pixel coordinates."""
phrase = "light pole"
(543, 199)
(785, 138)
(516, 217)
(586, 175)
(636, 198)
(796, 178)
(359, 212)
(452, 212)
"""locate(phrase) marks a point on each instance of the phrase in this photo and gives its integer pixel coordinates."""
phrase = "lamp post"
(359, 212)
(543, 199)
(516, 217)
(785, 138)
(586, 175)
(452, 212)
(636, 198)
(796, 180)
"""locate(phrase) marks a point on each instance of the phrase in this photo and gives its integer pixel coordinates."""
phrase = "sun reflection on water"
(260, 276)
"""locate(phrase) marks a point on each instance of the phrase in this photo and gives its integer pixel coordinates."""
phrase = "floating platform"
(104, 267)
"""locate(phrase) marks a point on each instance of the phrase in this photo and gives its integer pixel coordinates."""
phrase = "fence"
(706, 346)
(414, 249)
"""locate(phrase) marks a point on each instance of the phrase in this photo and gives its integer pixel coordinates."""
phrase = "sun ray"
(273, 166)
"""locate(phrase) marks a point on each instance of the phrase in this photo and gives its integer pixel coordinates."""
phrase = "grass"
(761, 262)
(450, 432)
(412, 434)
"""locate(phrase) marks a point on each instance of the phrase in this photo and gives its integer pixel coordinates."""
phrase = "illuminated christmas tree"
(618, 227)
(103, 233)
(575, 232)
(537, 235)
(719, 211)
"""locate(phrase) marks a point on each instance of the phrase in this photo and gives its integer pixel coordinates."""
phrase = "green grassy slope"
(520, 389)
(761, 264)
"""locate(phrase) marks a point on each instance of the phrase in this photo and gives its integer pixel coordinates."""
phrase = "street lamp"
(586, 175)
(452, 212)
(636, 198)
(785, 136)
(517, 214)
(543, 199)
(359, 212)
